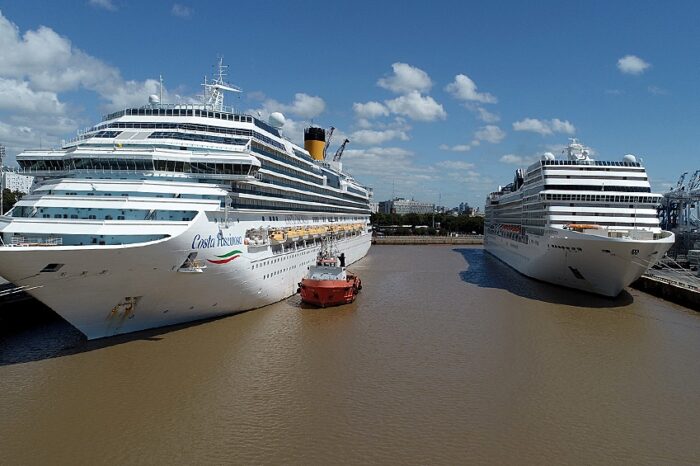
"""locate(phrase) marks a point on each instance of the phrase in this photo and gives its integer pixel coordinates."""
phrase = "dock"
(422, 240)
(683, 289)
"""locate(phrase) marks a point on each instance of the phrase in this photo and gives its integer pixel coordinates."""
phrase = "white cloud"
(304, 106)
(455, 165)
(105, 4)
(486, 116)
(490, 133)
(364, 123)
(37, 67)
(293, 130)
(48, 62)
(17, 96)
(544, 127)
(368, 137)
(370, 109)
(632, 64)
(181, 10)
(656, 90)
(417, 107)
(519, 160)
(464, 88)
(406, 78)
(457, 148)
(387, 164)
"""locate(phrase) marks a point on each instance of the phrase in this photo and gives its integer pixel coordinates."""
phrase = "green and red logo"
(226, 258)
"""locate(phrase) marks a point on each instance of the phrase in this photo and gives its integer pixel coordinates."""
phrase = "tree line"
(9, 198)
(427, 224)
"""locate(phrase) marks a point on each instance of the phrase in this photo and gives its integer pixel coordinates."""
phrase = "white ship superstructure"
(578, 222)
(167, 213)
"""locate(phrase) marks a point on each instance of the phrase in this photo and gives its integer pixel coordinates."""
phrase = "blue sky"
(441, 100)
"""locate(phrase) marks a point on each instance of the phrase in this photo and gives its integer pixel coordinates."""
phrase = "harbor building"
(405, 206)
(16, 182)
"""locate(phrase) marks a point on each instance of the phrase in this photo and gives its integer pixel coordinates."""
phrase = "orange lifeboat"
(583, 226)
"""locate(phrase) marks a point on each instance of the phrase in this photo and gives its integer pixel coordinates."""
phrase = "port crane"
(339, 152)
(328, 141)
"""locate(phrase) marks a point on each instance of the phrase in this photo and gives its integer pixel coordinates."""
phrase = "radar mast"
(213, 91)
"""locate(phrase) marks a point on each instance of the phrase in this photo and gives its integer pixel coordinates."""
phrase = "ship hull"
(591, 263)
(109, 290)
(325, 293)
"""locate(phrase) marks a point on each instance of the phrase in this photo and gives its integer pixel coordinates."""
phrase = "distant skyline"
(441, 101)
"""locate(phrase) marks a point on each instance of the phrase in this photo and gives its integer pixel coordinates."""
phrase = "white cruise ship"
(169, 213)
(579, 222)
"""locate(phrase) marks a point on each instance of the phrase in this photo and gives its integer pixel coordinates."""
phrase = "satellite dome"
(153, 99)
(547, 156)
(276, 120)
(629, 158)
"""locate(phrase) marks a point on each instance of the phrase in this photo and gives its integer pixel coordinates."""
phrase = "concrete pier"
(422, 240)
(676, 291)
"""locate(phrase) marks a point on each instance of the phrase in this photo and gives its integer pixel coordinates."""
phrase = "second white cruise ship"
(578, 222)
(170, 213)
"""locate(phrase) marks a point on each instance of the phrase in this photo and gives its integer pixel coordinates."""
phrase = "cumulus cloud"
(632, 64)
(406, 78)
(388, 166)
(519, 160)
(370, 110)
(181, 11)
(17, 96)
(490, 133)
(104, 4)
(417, 107)
(455, 165)
(463, 88)
(486, 116)
(304, 106)
(38, 66)
(49, 62)
(368, 137)
(544, 127)
(456, 148)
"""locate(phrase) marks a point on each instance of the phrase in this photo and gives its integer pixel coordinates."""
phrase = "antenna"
(160, 77)
(213, 94)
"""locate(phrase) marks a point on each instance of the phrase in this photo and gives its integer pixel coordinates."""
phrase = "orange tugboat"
(328, 283)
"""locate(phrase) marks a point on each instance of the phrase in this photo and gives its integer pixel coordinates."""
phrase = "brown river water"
(448, 356)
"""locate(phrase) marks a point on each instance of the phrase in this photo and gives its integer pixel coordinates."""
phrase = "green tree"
(10, 198)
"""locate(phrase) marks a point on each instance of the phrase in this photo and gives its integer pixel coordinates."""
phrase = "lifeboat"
(278, 236)
(328, 283)
(583, 226)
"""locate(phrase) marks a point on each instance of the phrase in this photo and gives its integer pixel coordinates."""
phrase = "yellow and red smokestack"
(315, 141)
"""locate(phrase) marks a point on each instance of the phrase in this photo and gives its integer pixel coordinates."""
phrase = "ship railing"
(24, 241)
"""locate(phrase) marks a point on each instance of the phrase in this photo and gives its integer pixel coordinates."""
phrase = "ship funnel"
(315, 141)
